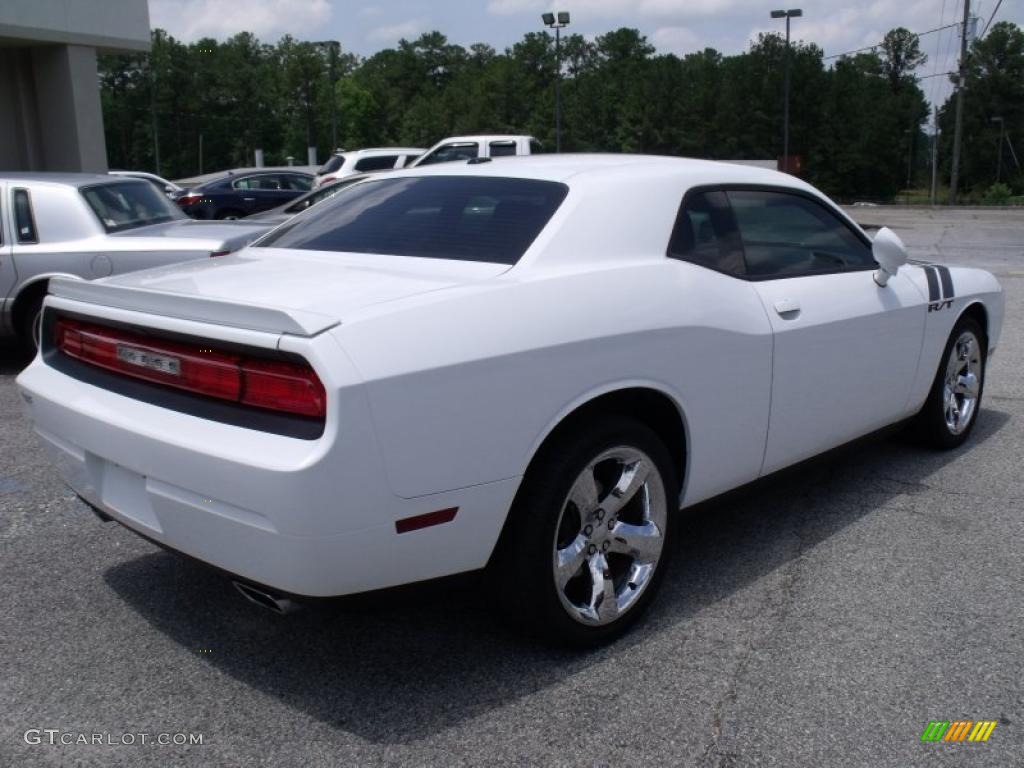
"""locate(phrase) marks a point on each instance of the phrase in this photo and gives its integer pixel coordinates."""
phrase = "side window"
(705, 234)
(409, 160)
(503, 148)
(24, 223)
(378, 163)
(296, 182)
(270, 182)
(263, 181)
(536, 148)
(788, 235)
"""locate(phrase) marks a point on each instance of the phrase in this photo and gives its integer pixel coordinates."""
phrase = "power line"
(938, 48)
(994, 11)
(876, 45)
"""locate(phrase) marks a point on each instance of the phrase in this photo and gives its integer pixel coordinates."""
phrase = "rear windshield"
(129, 204)
(469, 218)
(321, 194)
(332, 165)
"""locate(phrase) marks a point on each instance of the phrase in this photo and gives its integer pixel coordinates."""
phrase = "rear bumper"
(199, 211)
(310, 518)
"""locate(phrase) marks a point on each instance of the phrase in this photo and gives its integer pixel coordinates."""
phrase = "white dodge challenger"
(528, 364)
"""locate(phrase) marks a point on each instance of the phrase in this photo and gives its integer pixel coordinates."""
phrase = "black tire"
(930, 425)
(29, 324)
(229, 214)
(524, 567)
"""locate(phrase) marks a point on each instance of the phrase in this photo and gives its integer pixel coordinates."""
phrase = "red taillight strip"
(275, 385)
(416, 522)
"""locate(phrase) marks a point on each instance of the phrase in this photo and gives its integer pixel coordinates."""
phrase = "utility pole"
(961, 82)
(935, 160)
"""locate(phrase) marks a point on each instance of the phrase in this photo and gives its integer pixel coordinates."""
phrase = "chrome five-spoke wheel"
(589, 536)
(951, 410)
(610, 535)
(962, 382)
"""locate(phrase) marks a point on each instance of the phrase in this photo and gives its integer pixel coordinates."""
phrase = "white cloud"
(510, 7)
(392, 33)
(267, 19)
(619, 9)
(678, 40)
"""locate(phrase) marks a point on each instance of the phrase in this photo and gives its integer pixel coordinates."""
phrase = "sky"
(672, 26)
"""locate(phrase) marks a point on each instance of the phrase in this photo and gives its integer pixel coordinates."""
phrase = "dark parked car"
(284, 212)
(234, 196)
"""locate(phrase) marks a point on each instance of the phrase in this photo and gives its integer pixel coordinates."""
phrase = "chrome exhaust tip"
(270, 601)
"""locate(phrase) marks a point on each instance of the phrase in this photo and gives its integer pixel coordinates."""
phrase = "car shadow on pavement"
(13, 359)
(408, 663)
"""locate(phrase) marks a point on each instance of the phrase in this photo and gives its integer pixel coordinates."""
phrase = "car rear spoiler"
(187, 307)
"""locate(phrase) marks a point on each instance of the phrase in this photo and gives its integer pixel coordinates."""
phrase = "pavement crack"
(920, 487)
(713, 755)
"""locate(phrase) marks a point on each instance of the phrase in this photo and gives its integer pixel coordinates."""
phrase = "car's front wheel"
(589, 536)
(949, 414)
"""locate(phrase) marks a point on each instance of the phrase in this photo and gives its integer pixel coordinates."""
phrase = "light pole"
(557, 22)
(999, 154)
(333, 47)
(787, 15)
(152, 105)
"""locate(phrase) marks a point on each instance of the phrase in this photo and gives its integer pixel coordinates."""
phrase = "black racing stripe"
(933, 283)
(947, 281)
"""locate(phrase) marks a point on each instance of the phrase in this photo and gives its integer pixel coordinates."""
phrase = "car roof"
(584, 168)
(240, 173)
(483, 137)
(381, 151)
(206, 178)
(67, 179)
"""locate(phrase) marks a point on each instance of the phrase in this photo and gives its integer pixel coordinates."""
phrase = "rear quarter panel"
(465, 384)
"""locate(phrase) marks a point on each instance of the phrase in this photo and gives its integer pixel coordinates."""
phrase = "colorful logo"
(958, 730)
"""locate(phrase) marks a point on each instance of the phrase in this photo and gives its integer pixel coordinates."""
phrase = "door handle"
(248, 199)
(787, 308)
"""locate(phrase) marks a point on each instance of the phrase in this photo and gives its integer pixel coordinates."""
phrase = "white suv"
(343, 164)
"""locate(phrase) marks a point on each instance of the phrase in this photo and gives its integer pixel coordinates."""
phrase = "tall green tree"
(994, 89)
(856, 124)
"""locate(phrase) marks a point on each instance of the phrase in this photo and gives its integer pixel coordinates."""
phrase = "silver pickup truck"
(87, 226)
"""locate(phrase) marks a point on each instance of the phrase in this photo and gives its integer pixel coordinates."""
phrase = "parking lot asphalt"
(819, 619)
